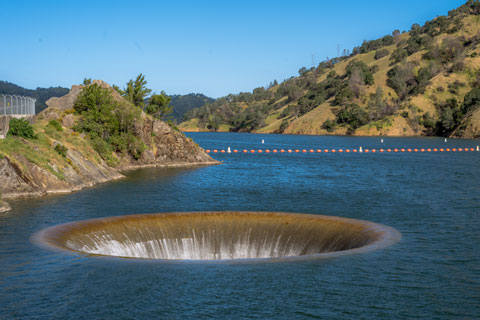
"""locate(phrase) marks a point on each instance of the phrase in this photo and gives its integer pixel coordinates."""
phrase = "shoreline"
(336, 135)
(4, 206)
(118, 176)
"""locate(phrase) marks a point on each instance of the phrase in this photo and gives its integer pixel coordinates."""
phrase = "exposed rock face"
(68, 100)
(165, 147)
(24, 178)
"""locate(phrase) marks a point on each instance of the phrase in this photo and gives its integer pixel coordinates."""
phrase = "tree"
(136, 91)
(471, 101)
(159, 105)
(353, 115)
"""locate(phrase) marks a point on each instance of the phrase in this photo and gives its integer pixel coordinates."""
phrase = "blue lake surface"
(433, 199)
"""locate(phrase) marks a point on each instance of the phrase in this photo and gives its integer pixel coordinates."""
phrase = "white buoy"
(263, 141)
(445, 139)
(228, 150)
(360, 149)
(381, 140)
(478, 148)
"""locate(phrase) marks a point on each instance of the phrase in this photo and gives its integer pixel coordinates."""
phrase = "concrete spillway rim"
(389, 236)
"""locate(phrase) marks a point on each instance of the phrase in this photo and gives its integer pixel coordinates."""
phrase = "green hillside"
(422, 82)
(181, 104)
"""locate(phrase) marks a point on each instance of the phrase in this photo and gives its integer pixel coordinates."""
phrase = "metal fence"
(16, 105)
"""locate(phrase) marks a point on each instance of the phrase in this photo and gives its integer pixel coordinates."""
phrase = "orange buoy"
(381, 150)
(435, 149)
(319, 150)
(326, 150)
(441, 149)
(215, 151)
(403, 150)
(366, 150)
(274, 150)
(235, 150)
(373, 150)
(289, 151)
(354, 150)
(267, 151)
(422, 150)
(207, 151)
(282, 150)
(460, 149)
(222, 151)
(389, 150)
(311, 150)
(333, 150)
(340, 150)
(260, 151)
(429, 150)
(245, 151)
(252, 151)
(296, 150)
(347, 150)
(415, 150)
(447, 149)
(396, 150)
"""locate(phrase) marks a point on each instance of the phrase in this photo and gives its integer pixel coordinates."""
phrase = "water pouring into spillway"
(219, 236)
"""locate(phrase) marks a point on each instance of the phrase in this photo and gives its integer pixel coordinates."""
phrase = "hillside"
(88, 136)
(41, 94)
(422, 82)
(181, 104)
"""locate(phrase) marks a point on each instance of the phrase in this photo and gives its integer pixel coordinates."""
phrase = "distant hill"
(41, 94)
(422, 82)
(183, 103)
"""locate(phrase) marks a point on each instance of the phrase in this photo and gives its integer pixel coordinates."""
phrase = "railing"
(16, 105)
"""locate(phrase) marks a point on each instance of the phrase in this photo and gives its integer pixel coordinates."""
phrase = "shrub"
(56, 125)
(62, 150)
(21, 128)
(329, 125)
(109, 124)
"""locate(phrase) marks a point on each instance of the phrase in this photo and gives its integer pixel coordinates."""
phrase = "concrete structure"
(12, 106)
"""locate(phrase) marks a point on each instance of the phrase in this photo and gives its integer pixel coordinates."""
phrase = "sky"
(210, 47)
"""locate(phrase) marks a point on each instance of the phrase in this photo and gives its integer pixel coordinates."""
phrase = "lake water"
(433, 199)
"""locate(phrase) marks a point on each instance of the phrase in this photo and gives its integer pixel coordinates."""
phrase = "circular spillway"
(219, 236)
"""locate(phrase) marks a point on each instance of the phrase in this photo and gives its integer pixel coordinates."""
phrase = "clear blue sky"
(211, 47)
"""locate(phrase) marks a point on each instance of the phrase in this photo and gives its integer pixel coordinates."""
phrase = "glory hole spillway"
(219, 236)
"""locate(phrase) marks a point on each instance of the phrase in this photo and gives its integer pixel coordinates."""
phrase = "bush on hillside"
(379, 54)
(55, 125)
(21, 128)
(109, 124)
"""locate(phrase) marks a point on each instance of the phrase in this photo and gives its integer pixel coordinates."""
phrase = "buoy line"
(346, 150)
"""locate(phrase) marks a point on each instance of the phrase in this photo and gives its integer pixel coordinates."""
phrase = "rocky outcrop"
(20, 177)
(82, 166)
(67, 101)
(4, 206)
